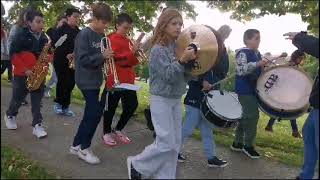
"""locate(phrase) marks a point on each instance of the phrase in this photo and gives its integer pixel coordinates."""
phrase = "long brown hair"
(159, 35)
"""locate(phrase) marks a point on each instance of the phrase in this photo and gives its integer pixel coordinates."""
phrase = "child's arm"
(121, 57)
(164, 66)
(84, 56)
(243, 67)
(307, 43)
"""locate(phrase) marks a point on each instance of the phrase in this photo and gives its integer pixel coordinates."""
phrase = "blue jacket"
(247, 72)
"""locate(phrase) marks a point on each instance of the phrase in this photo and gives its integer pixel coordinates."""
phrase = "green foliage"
(50, 9)
(142, 12)
(142, 71)
(311, 66)
(247, 10)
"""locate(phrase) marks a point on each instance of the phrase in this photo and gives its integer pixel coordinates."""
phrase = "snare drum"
(283, 92)
(221, 108)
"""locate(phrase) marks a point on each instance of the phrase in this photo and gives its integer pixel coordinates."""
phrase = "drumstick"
(284, 54)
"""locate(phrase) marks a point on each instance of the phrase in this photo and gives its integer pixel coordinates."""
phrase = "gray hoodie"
(167, 76)
(88, 59)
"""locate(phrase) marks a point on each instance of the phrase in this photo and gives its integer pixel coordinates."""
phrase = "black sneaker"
(236, 146)
(216, 162)
(251, 152)
(181, 158)
(133, 173)
(147, 115)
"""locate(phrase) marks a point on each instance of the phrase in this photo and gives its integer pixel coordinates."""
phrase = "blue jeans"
(91, 118)
(193, 120)
(310, 133)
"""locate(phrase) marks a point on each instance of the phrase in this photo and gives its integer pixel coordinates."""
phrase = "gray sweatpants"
(19, 93)
(159, 159)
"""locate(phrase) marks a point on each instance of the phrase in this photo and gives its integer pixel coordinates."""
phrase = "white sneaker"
(74, 150)
(38, 130)
(10, 122)
(47, 94)
(88, 156)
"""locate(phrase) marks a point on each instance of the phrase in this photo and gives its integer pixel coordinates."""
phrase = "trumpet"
(109, 62)
(141, 56)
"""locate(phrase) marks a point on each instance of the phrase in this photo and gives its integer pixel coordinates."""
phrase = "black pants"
(293, 124)
(129, 105)
(6, 64)
(19, 93)
(65, 86)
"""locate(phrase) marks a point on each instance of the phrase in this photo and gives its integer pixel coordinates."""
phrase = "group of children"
(168, 79)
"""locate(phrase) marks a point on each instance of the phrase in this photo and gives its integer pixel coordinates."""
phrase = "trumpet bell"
(207, 47)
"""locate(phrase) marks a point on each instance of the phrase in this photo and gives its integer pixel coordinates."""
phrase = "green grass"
(14, 165)
(279, 145)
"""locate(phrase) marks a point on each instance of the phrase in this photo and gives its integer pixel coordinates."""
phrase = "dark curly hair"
(296, 55)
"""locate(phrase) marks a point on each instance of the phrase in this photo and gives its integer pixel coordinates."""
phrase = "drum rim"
(216, 126)
(269, 69)
(261, 105)
(220, 116)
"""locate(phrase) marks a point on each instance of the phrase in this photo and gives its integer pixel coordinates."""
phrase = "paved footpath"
(52, 152)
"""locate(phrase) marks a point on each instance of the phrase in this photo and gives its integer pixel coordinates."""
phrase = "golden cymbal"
(206, 43)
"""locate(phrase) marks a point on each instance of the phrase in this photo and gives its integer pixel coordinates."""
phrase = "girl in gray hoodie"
(167, 85)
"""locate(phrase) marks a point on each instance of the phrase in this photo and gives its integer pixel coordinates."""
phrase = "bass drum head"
(278, 114)
(289, 93)
(225, 105)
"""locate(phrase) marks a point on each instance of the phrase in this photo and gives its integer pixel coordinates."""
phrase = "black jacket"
(309, 45)
(195, 95)
(60, 60)
(26, 41)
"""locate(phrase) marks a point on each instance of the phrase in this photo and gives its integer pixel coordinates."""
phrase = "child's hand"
(291, 35)
(206, 86)
(263, 62)
(28, 72)
(108, 53)
(188, 55)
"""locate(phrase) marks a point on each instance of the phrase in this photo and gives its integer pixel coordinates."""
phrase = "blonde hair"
(159, 35)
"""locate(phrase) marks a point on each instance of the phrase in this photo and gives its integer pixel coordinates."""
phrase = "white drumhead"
(226, 105)
(290, 92)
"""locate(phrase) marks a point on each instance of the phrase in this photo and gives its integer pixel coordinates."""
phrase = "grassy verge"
(15, 165)
(279, 145)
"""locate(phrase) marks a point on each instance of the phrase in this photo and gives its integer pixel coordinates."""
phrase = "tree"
(247, 10)
(142, 12)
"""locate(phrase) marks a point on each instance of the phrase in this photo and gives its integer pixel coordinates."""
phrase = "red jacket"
(124, 60)
(23, 61)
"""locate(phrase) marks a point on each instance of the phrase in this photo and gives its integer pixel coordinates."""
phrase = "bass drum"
(283, 92)
(221, 108)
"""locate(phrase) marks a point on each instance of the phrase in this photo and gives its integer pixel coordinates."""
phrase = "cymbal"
(207, 47)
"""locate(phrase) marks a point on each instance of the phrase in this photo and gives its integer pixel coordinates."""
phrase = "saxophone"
(71, 62)
(40, 70)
